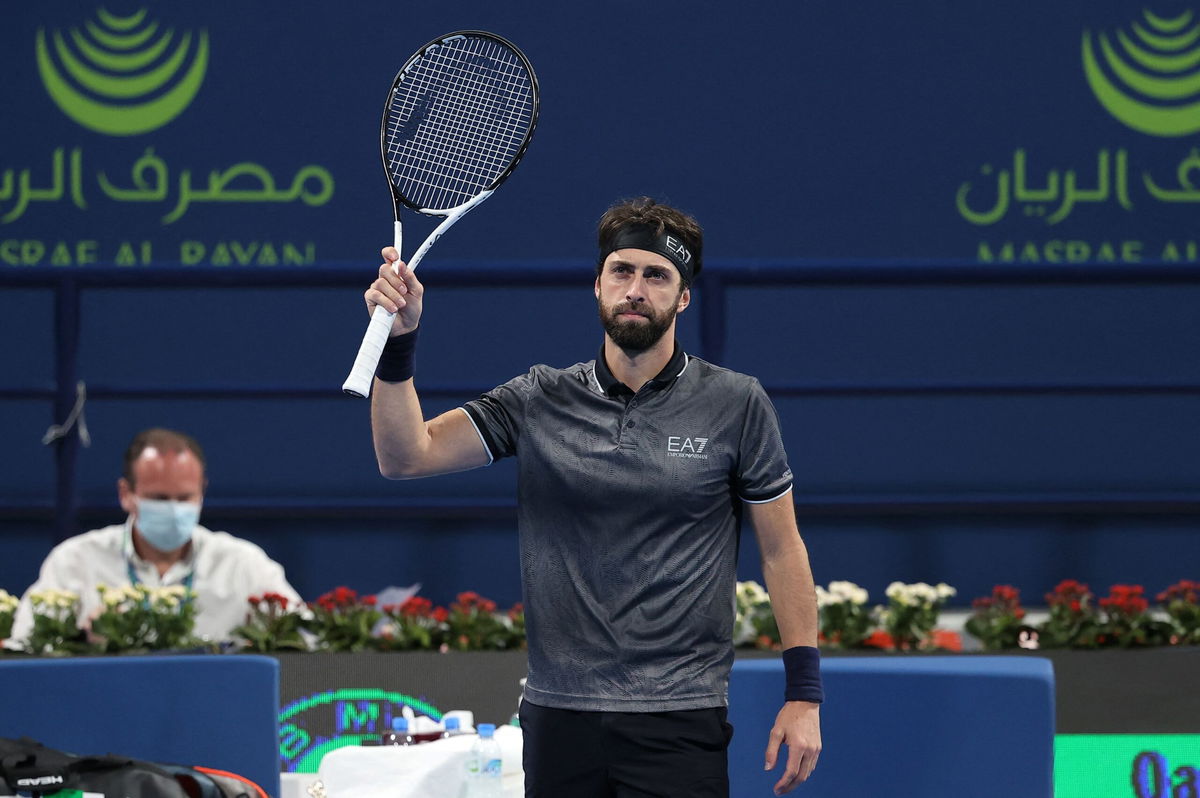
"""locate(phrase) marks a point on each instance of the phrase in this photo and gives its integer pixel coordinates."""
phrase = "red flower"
(879, 639)
(276, 600)
(416, 607)
(1184, 590)
(1071, 594)
(370, 601)
(1127, 599)
(440, 614)
(1006, 593)
(950, 641)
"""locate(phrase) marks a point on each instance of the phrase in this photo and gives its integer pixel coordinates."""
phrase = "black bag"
(28, 767)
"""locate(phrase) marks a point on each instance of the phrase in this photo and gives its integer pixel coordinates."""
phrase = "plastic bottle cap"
(487, 729)
(452, 724)
(400, 724)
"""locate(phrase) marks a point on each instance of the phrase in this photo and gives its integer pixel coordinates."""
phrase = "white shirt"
(225, 571)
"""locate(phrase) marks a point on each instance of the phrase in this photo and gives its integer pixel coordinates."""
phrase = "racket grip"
(363, 371)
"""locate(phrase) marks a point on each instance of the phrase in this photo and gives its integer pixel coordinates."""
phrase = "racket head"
(457, 120)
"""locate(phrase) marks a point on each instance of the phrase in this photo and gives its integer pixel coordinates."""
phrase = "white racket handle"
(363, 370)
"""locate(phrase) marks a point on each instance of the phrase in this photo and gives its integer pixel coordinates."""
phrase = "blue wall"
(977, 428)
(968, 397)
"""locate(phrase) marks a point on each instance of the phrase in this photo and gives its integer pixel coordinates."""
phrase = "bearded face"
(633, 326)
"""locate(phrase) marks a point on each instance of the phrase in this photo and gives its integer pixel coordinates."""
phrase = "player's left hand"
(798, 726)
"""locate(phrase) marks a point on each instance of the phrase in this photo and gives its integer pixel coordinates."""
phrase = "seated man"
(161, 544)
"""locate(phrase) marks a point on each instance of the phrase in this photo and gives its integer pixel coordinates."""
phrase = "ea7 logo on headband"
(676, 246)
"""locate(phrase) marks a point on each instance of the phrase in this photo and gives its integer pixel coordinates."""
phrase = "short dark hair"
(644, 211)
(167, 440)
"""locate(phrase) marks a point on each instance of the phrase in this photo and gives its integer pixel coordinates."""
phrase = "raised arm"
(794, 602)
(406, 445)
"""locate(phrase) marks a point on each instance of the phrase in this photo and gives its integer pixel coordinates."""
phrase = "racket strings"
(465, 150)
(457, 120)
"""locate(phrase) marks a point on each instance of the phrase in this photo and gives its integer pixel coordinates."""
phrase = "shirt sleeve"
(500, 413)
(763, 474)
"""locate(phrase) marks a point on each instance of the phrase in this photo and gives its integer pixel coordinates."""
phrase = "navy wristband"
(397, 358)
(802, 669)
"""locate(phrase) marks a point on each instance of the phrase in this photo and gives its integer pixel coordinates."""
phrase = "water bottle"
(399, 734)
(453, 728)
(483, 765)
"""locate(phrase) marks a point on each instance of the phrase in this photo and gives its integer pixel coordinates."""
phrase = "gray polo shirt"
(629, 510)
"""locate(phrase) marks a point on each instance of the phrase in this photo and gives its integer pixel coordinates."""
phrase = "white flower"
(848, 591)
(8, 602)
(111, 596)
(825, 598)
(919, 593)
(752, 593)
(923, 592)
(54, 599)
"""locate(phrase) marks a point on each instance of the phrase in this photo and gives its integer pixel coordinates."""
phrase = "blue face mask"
(166, 525)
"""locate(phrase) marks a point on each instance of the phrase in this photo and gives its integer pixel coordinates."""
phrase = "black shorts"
(574, 754)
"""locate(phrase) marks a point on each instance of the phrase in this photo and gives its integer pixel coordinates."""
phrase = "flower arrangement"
(414, 624)
(1126, 621)
(8, 610)
(1077, 619)
(344, 621)
(137, 618)
(55, 624)
(846, 621)
(1181, 601)
(1073, 619)
(997, 620)
(473, 624)
(754, 622)
(271, 625)
(141, 618)
(912, 612)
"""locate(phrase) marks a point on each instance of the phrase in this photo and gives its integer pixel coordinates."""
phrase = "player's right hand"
(398, 291)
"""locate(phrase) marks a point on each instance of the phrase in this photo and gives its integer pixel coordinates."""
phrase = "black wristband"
(397, 358)
(802, 669)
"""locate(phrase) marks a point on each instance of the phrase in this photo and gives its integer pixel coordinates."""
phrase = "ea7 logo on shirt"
(678, 446)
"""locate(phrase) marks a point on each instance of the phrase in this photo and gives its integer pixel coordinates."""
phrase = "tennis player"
(635, 470)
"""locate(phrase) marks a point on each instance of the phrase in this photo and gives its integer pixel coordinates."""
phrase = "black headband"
(669, 246)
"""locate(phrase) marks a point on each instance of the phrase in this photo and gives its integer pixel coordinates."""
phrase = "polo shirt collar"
(611, 386)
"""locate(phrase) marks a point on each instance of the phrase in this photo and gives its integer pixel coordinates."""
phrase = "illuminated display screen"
(333, 700)
(1126, 765)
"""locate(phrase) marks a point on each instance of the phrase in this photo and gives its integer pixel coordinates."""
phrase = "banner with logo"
(140, 133)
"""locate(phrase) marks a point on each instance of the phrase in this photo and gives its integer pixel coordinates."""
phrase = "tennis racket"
(457, 120)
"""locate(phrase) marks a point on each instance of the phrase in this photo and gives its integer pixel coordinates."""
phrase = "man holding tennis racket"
(634, 472)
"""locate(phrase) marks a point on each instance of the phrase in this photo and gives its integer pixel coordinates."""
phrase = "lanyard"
(133, 577)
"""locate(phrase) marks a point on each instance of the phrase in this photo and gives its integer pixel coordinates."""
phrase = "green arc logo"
(122, 77)
(1149, 80)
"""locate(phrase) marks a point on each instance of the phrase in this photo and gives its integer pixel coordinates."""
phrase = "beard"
(630, 334)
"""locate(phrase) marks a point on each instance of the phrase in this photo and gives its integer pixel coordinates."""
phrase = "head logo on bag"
(41, 781)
